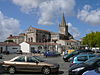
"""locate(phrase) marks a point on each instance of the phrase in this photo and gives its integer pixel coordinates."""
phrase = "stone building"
(37, 35)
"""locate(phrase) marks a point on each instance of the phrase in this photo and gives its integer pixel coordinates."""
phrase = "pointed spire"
(63, 23)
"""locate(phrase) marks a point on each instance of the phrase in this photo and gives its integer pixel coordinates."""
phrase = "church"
(40, 35)
(44, 39)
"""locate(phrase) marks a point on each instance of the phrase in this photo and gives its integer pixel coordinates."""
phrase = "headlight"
(78, 69)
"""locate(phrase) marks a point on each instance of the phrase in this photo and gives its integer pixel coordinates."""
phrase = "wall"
(11, 49)
(25, 47)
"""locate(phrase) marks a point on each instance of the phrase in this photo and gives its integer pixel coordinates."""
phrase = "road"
(63, 65)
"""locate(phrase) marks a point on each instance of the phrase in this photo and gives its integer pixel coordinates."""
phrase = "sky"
(82, 16)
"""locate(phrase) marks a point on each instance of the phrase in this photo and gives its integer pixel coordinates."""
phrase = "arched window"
(39, 48)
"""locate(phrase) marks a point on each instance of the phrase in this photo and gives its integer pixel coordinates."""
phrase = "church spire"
(63, 23)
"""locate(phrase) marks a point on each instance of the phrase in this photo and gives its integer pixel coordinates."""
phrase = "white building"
(11, 47)
(27, 47)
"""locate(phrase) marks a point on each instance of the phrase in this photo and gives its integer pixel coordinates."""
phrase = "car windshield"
(39, 58)
(91, 61)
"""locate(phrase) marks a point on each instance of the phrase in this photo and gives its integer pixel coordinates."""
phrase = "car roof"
(86, 54)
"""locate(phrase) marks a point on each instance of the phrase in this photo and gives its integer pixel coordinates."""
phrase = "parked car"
(6, 52)
(81, 58)
(1, 56)
(19, 52)
(79, 69)
(92, 72)
(28, 63)
(76, 52)
(35, 51)
(51, 53)
(98, 51)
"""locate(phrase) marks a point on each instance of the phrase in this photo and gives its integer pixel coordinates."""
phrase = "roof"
(13, 37)
(8, 44)
(70, 40)
(34, 43)
(40, 29)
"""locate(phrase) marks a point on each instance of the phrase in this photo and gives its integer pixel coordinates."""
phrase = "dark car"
(51, 53)
(96, 71)
(90, 64)
(27, 63)
(19, 52)
(35, 51)
(6, 52)
(76, 52)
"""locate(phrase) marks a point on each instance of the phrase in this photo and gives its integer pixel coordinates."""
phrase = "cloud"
(8, 26)
(27, 5)
(73, 30)
(47, 8)
(89, 16)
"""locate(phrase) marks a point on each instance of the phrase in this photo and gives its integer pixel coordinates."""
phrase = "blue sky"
(82, 16)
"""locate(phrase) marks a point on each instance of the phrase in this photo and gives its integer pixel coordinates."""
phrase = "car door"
(33, 64)
(20, 63)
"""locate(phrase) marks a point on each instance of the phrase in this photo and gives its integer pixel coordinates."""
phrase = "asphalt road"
(63, 65)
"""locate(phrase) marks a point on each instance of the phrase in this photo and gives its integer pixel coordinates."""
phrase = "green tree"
(8, 41)
(92, 39)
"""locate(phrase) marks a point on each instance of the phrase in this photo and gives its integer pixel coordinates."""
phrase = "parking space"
(63, 65)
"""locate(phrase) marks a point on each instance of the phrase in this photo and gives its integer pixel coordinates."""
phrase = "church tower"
(63, 26)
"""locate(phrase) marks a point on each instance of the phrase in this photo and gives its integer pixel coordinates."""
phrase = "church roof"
(40, 29)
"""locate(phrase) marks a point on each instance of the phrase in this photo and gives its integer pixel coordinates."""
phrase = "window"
(31, 59)
(39, 47)
(20, 59)
(14, 48)
(82, 58)
(31, 39)
(91, 56)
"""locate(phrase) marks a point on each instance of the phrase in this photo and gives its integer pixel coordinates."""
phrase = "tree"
(92, 39)
(8, 41)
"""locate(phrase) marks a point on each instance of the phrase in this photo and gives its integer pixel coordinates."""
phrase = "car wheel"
(46, 70)
(11, 70)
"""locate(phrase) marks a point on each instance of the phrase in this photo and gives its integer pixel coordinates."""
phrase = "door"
(20, 63)
(33, 64)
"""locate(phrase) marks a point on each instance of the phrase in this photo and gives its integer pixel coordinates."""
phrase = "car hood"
(77, 66)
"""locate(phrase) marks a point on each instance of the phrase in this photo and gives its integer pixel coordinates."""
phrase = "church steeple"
(63, 22)
(63, 26)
